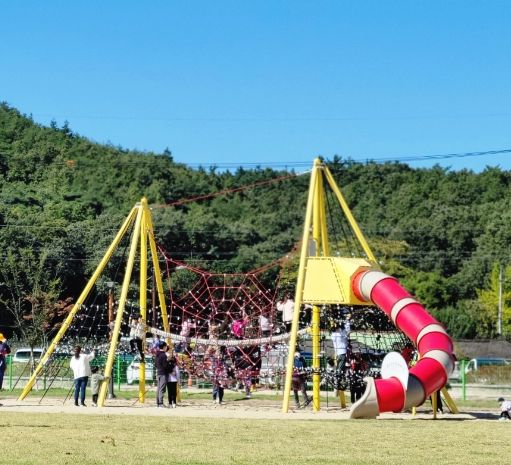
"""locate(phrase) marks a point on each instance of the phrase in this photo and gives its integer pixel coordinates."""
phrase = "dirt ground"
(243, 408)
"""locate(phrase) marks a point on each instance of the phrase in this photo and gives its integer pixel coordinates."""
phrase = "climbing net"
(227, 328)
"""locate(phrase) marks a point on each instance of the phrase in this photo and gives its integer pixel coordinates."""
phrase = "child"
(245, 379)
(505, 409)
(356, 374)
(238, 326)
(156, 344)
(300, 380)
(172, 381)
(219, 379)
(137, 334)
(186, 330)
(95, 379)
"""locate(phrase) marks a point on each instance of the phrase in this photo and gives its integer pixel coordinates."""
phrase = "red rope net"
(225, 326)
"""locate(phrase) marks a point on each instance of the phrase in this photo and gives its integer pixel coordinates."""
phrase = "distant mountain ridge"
(442, 233)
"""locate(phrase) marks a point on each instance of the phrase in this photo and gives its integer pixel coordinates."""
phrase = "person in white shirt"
(341, 340)
(287, 307)
(265, 325)
(80, 364)
(186, 330)
(505, 409)
(172, 380)
(137, 335)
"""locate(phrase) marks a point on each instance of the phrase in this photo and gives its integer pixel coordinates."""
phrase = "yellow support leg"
(120, 310)
(298, 294)
(67, 322)
(157, 275)
(342, 398)
(316, 377)
(449, 401)
(143, 292)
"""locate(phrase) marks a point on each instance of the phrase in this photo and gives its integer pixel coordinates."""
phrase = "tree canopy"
(63, 198)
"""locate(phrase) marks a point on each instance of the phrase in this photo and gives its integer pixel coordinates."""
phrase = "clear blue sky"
(267, 81)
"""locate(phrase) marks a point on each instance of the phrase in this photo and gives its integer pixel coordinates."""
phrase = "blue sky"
(240, 82)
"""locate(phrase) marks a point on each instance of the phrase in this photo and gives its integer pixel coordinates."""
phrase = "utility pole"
(499, 314)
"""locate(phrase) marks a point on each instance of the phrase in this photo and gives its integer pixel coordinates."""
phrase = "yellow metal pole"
(157, 274)
(299, 287)
(143, 292)
(316, 377)
(449, 401)
(342, 398)
(317, 230)
(79, 302)
(434, 404)
(120, 309)
(159, 283)
(349, 216)
(325, 244)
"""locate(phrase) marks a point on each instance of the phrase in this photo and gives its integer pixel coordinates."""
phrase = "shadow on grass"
(484, 415)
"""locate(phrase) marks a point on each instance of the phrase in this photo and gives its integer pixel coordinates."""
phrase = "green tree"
(489, 300)
(29, 294)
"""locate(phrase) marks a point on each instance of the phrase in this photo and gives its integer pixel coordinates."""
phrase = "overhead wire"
(290, 164)
(228, 191)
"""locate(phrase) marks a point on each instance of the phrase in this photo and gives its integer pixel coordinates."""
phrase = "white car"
(22, 355)
(133, 370)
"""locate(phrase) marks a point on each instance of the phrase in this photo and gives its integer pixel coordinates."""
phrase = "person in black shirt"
(162, 371)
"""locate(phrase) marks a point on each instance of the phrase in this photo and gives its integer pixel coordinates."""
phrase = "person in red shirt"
(408, 352)
(358, 368)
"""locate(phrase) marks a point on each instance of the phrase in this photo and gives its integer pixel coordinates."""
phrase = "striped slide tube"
(434, 346)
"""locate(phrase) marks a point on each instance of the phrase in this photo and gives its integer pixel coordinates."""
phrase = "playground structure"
(326, 279)
(142, 231)
(323, 280)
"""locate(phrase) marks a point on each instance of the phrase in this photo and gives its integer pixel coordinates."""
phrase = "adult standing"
(287, 307)
(162, 371)
(80, 364)
(340, 340)
(4, 351)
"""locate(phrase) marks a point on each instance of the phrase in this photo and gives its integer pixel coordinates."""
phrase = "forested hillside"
(63, 198)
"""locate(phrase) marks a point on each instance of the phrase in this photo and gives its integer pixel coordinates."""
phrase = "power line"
(443, 156)
(359, 159)
(148, 157)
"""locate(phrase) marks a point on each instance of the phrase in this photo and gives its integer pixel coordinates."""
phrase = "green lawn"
(115, 439)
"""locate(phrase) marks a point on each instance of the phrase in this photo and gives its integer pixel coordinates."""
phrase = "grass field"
(39, 438)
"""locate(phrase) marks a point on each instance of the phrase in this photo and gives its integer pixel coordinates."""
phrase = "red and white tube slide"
(436, 360)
